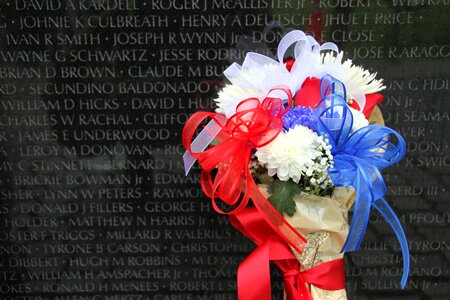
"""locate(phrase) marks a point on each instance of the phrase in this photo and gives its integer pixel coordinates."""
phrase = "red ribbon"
(254, 125)
(254, 271)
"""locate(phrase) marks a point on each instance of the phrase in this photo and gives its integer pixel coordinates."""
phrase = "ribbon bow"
(254, 271)
(358, 158)
(254, 124)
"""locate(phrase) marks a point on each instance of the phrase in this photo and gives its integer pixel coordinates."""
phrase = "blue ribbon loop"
(358, 159)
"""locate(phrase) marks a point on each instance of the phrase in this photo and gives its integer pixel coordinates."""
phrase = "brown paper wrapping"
(323, 221)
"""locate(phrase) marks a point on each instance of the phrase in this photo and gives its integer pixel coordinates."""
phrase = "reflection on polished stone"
(94, 203)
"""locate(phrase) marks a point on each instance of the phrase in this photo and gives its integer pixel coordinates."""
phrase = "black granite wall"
(94, 94)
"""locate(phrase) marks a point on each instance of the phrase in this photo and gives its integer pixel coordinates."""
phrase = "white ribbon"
(203, 139)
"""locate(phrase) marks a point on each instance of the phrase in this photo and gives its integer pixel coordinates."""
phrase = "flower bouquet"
(292, 146)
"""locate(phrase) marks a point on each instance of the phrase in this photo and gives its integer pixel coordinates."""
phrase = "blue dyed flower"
(300, 115)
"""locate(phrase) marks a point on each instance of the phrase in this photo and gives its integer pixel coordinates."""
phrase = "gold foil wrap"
(323, 221)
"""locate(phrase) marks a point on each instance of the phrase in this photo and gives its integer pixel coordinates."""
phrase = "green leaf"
(265, 178)
(282, 198)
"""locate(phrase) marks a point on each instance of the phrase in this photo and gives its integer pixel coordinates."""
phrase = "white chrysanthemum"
(359, 120)
(355, 75)
(294, 154)
(231, 95)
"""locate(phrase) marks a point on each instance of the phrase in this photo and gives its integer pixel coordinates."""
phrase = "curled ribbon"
(254, 271)
(254, 125)
(358, 158)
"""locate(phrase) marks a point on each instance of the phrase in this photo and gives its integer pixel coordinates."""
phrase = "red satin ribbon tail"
(254, 271)
(253, 276)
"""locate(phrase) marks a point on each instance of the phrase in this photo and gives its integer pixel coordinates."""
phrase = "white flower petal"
(359, 120)
(355, 75)
(293, 154)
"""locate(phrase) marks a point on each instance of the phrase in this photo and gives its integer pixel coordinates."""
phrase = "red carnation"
(309, 94)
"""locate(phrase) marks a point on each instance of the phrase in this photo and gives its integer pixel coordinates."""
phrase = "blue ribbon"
(358, 159)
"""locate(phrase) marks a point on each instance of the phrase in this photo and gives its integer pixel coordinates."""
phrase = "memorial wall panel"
(94, 203)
